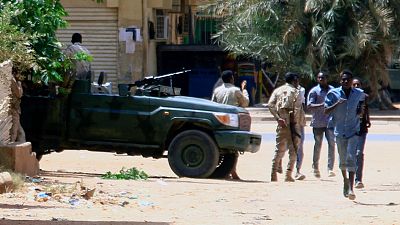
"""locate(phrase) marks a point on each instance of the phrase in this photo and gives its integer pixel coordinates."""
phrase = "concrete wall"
(19, 158)
(14, 156)
(5, 102)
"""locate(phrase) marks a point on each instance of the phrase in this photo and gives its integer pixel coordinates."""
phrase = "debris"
(6, 182)
(42, 197)
(74, 201)
(34, 179)
(134, 197)
(89, 193)
(124, 203)
(145, 203)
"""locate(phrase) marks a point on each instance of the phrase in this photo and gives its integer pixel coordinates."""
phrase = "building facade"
(128, 38)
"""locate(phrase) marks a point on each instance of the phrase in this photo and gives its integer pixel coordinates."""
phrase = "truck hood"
(192, 103)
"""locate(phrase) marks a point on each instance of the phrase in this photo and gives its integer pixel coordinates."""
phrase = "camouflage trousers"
(286, 139)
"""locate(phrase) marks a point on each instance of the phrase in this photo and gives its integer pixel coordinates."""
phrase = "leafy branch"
(126, 174)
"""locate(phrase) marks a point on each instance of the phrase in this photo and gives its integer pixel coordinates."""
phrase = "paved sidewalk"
(262, 114)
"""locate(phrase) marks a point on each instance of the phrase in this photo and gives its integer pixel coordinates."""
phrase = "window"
(176, 6)
(161, 25)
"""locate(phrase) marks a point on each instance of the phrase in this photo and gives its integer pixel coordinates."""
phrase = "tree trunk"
(384, 100)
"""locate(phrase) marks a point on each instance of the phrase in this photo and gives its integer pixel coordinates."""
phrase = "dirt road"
(253, 200)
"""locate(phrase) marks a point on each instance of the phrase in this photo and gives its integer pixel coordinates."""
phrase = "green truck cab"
(199, 137)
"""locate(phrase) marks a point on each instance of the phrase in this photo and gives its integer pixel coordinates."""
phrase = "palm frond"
(350, 47)
(365, 32)
(383, 16)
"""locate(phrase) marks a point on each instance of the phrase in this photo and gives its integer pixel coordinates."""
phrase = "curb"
(262, 114)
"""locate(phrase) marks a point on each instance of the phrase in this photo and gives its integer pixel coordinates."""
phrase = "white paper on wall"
(122, 34)
(138, 36)
(130, 44)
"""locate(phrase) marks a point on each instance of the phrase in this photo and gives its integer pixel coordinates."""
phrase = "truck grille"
(244, 121)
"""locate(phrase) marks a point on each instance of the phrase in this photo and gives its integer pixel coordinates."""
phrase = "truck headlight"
(228, 119)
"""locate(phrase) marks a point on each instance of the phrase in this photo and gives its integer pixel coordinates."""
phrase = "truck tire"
(39, 156)
(38, 152)
(225, 165)
(193, 153)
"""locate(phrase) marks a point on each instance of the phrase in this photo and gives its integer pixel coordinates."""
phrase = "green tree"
(310, 35)
(14, 44)
(39, 20)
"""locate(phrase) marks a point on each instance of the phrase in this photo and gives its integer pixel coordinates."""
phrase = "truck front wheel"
(193, 153)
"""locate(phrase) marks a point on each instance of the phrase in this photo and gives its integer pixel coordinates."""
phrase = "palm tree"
(310, 35)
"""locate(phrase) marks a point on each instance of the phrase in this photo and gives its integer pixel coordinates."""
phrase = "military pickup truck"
(199, 137)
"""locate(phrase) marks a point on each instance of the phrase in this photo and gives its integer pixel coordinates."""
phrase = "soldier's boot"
(274, 177)
(288, 176)
(292, 161)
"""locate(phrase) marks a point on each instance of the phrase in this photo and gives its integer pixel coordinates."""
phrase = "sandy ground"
(253, 200)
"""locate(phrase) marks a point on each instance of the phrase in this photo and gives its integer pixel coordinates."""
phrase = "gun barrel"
(153, 79)
(171, 74)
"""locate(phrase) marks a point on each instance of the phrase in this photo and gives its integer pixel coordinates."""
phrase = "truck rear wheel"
(38, 151)
(193, 153)
(225, 165)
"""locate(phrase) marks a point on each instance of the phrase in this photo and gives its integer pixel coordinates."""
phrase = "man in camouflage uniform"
(286, 107)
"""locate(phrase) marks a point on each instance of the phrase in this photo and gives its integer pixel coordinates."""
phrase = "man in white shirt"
(229, 94)
(82, 68)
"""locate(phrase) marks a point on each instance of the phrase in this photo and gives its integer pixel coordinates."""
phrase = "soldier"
(228, 93)
(285, 105)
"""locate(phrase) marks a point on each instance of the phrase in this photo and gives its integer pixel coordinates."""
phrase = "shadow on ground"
(44, 222)
(71, 174)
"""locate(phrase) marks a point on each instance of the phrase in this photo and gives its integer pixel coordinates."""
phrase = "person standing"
(344, 104)
(285, 105)
(302, 124)
(229, 94)
(320, 124)
(364, 125)
(82, 68)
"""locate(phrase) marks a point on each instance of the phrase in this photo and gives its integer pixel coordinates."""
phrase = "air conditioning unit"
(162, 27)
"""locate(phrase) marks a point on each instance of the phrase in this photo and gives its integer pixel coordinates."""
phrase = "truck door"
(109, 118)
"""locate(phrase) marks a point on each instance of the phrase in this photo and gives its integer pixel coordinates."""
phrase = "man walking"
(345, 104)
(365, 123)
(301, 125)
(229, 94)
(319, 123)
(285, 106)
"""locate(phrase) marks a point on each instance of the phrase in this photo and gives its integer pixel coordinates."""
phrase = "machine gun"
(153, 85)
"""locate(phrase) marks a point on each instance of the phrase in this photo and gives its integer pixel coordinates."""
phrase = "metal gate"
(99, 30)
